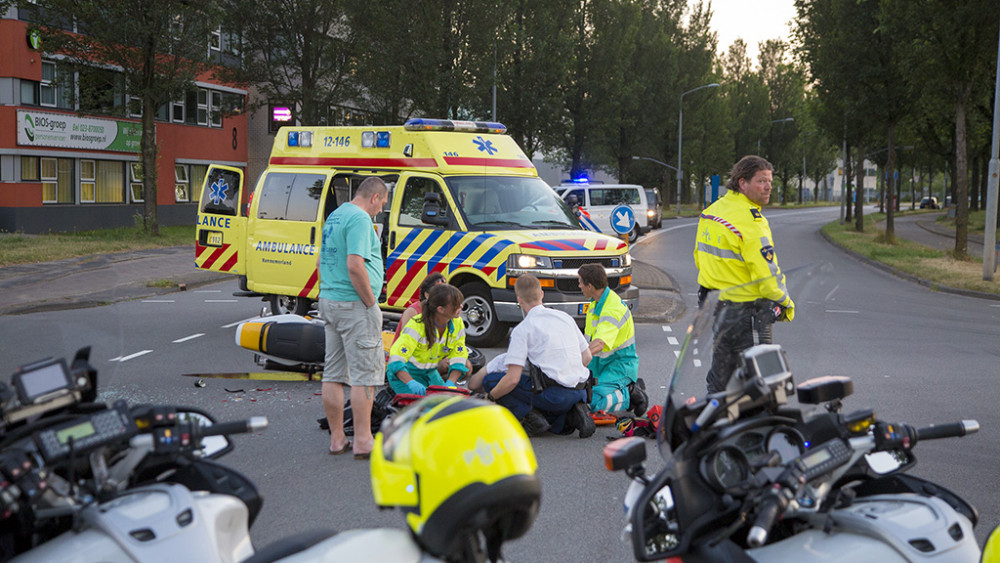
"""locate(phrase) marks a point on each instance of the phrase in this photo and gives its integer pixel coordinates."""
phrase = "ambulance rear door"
(221, 233)
(286, 232)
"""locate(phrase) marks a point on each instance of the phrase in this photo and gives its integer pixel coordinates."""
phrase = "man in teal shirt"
(351, 271)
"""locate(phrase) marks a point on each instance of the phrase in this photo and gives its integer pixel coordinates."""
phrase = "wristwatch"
(489, 397)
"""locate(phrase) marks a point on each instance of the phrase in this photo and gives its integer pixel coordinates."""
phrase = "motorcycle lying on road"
(87, 481)
(750, 477)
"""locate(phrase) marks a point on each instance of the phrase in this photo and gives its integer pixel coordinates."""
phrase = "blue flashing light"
(580, 180)
(421, 124)
(293, 138)
(382, 139)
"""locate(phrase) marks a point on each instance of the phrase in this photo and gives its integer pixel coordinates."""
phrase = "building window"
(177, 112)
(47, 85)
(57, 180)
(29, 169)
(56, 88)
(216, 108)
(101, 91)
(135, 170)
(29, 93)
(88, 181)
(181, 184)
(197, 177)
(110, 181)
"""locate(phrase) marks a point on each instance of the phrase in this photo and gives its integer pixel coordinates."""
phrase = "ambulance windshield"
(510, 202)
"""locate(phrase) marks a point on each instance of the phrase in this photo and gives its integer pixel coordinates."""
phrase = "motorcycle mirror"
(890, 461)
(655, 526)
(624, 453)
(211, 446)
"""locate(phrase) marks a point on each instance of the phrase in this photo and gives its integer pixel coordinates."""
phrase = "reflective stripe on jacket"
(411, 347)
(733, 247)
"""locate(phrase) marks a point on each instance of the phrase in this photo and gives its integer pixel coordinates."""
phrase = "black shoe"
(535, 423)
(639, 401)
(578, 418)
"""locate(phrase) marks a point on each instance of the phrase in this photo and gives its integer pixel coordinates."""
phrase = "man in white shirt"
(549, 348)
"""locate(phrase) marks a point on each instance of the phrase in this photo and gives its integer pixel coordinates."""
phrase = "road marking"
(221, 300)
(697, 363)
(157, 300)
(120, 359)
(844, 312)
(186, 338)
(672, 341)
(231, 325)
(677, 353)
(668, 329)
(832, 291)
(207, 291)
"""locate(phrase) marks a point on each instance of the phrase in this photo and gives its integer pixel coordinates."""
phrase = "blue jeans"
(553, 402)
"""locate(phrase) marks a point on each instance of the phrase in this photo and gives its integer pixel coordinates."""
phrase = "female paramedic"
(437, 333)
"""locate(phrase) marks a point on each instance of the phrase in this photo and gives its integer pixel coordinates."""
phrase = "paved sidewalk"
(91, 281)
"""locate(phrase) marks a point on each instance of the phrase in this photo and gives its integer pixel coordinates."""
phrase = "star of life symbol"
(218, 192)
(485, 146)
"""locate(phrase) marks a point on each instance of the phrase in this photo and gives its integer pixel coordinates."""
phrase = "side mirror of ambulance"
(431, 213)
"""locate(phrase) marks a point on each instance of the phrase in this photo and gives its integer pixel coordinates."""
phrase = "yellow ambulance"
(464, 201)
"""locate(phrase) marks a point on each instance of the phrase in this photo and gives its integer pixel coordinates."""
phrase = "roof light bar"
(421, 124)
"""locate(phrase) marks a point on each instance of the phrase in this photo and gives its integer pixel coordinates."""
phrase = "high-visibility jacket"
(734, 247)
(412, 352)
(610, 320)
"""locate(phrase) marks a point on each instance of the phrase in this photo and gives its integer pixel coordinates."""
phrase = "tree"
(160, 45)
(955, 43)
(298, 52)
(786, 89)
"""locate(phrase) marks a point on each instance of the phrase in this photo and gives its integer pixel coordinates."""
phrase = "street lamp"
(664, 164)
(680, 139)
(773, 121)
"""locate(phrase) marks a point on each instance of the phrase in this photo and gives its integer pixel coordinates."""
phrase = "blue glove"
(450, 383)
(416, 387)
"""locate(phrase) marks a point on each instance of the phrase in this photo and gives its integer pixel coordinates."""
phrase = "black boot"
(535, 423)
(578, 418)
(639, 401)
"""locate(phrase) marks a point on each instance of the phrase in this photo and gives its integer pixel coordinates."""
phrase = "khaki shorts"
(354, 354)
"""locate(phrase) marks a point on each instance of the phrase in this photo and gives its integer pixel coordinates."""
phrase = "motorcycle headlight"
(529, 262)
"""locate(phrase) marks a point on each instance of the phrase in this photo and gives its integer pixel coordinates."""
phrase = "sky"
(753, 20)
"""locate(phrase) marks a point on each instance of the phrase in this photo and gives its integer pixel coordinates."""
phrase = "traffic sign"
(622, 219)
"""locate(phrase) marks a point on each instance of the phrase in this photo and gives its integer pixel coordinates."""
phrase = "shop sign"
(46, 129)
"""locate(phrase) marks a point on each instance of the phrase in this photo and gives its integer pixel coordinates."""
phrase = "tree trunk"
(849, 213)
(859, 191)
(890, 227)
(147, 144)
(961, 179)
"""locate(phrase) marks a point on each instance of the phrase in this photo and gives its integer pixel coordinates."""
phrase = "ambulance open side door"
(220, 236)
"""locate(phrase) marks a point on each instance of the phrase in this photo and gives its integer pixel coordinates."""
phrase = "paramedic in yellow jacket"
(611, 333)
(733, 247)
(436, 334)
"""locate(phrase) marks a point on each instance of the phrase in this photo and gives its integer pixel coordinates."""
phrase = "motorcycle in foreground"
(750, 477)
(87, 481)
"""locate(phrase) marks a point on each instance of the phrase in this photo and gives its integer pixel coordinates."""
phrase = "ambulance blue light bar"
(421, 124)
(300, 138)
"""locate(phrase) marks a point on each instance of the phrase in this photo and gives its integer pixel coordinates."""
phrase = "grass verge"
(18, 248)
(936, 266)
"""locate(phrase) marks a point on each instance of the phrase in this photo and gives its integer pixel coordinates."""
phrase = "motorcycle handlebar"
(766, 517)
(252, 424)
(948, 430)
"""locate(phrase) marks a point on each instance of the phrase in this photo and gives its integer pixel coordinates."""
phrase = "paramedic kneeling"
(542, 378)
(611, 332)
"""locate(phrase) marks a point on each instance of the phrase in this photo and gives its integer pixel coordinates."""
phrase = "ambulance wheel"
(482, 328)
(284, 304)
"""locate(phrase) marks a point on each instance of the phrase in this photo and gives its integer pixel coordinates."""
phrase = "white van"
(599, 199)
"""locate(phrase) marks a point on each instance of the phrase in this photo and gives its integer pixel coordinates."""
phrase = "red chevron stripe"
(313, 280)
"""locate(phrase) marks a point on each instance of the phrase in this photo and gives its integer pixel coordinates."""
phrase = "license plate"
(584, 307)
(214, 239)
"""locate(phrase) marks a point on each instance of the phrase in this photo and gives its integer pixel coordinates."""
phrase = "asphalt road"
(915, 355)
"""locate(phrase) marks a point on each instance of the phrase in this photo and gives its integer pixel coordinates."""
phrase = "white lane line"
(697, 363)
(127, 358)
(222, 301)
(844, 312)
(157, 300)
(832, 291)
(677, 353)
(207, 291)
(186, 338)
(667, 329)
(231, 325)
(672, 341)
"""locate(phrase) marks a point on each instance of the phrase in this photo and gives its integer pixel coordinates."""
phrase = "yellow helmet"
(458, 467)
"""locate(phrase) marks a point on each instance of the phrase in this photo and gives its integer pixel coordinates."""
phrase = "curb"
(910, 277)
